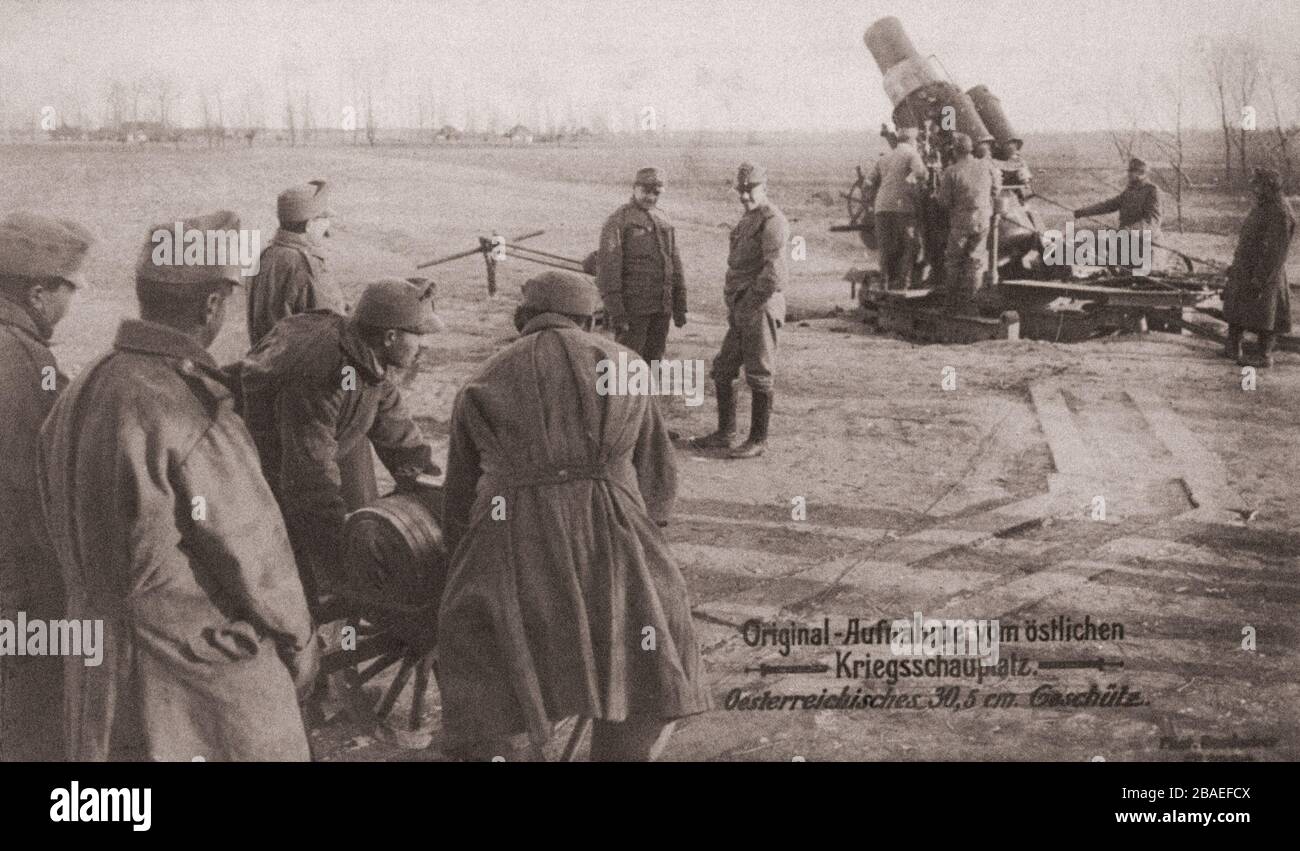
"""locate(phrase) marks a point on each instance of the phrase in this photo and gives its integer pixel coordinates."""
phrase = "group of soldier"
(902, 188)
(197, 511)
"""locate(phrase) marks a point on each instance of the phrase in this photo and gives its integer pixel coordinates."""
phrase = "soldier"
(318, 386)
(291, 272)
(562, 597)
(169, 536)
(1138, 205)
(966, 192)
(640, 271)
(756, 272)
(291, 279)
(40, 269)
(901, 171)
(1257, 297)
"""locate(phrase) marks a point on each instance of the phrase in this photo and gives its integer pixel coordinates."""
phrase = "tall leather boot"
(757, 442)
(1267, 340)
(1232, 348)
(726, 433)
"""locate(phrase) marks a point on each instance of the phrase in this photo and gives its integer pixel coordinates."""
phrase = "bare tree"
(137, 94)
(164, 91)
(1246, 78)
(221, 117)
(206, 115)
(370, 111)
(1171, 142)
(253, 118)
(290, 113)
(290, 122)
(308, 118)
(1282, 132)
(1215, 56)
(116, 100)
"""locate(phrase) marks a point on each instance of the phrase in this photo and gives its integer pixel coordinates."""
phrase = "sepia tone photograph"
(561, 380)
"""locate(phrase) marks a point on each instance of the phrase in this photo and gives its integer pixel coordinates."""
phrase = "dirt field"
(975, 502)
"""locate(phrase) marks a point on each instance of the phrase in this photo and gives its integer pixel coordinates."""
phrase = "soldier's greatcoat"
(31, 687)
(290, 279)
(313, 395)
(167, 533)
(1257, 297)
(567, 601)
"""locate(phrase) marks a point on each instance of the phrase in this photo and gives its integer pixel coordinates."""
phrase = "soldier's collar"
(295, 240)
(359, 353)
(153, 338)
(544, 321)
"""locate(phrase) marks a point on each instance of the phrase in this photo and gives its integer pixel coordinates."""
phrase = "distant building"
(447, 133)
(143, 131)
(519, 135)
(64, 133)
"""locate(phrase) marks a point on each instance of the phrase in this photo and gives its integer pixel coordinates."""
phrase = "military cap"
(961, 143)
(648, 177)
(1137, 164)
(303, 203)
(33, 246)
(173, 259)
(750, 175)
(406, 305)
(560, 292)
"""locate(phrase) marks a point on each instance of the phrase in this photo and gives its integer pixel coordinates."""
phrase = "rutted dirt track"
(966, 503)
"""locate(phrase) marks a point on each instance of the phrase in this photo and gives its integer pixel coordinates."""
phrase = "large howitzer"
(1027, 295)
(925, 97)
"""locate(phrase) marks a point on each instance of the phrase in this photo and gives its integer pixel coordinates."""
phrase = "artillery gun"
(1027, 295)
(924, 96)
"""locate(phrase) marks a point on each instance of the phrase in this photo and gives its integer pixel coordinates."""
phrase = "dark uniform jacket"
(312, 392)
(757, 265)
(1257, 296)
(1138, 206)
(30, 699)
(167, 532)
(290, 279)
(640, 270)
(546, 606)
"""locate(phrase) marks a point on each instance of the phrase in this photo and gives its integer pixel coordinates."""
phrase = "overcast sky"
(757, 64)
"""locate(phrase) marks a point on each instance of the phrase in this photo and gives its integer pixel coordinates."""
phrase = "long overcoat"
(31, 687)
(562, 596)
(169, 535)
(1257, 296)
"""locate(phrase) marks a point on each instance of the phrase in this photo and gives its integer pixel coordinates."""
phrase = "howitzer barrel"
(991, 113)
(916, 85)
(889, 44)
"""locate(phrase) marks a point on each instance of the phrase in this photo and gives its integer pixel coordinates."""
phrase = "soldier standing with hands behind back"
(168, 534)
(640, 271)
